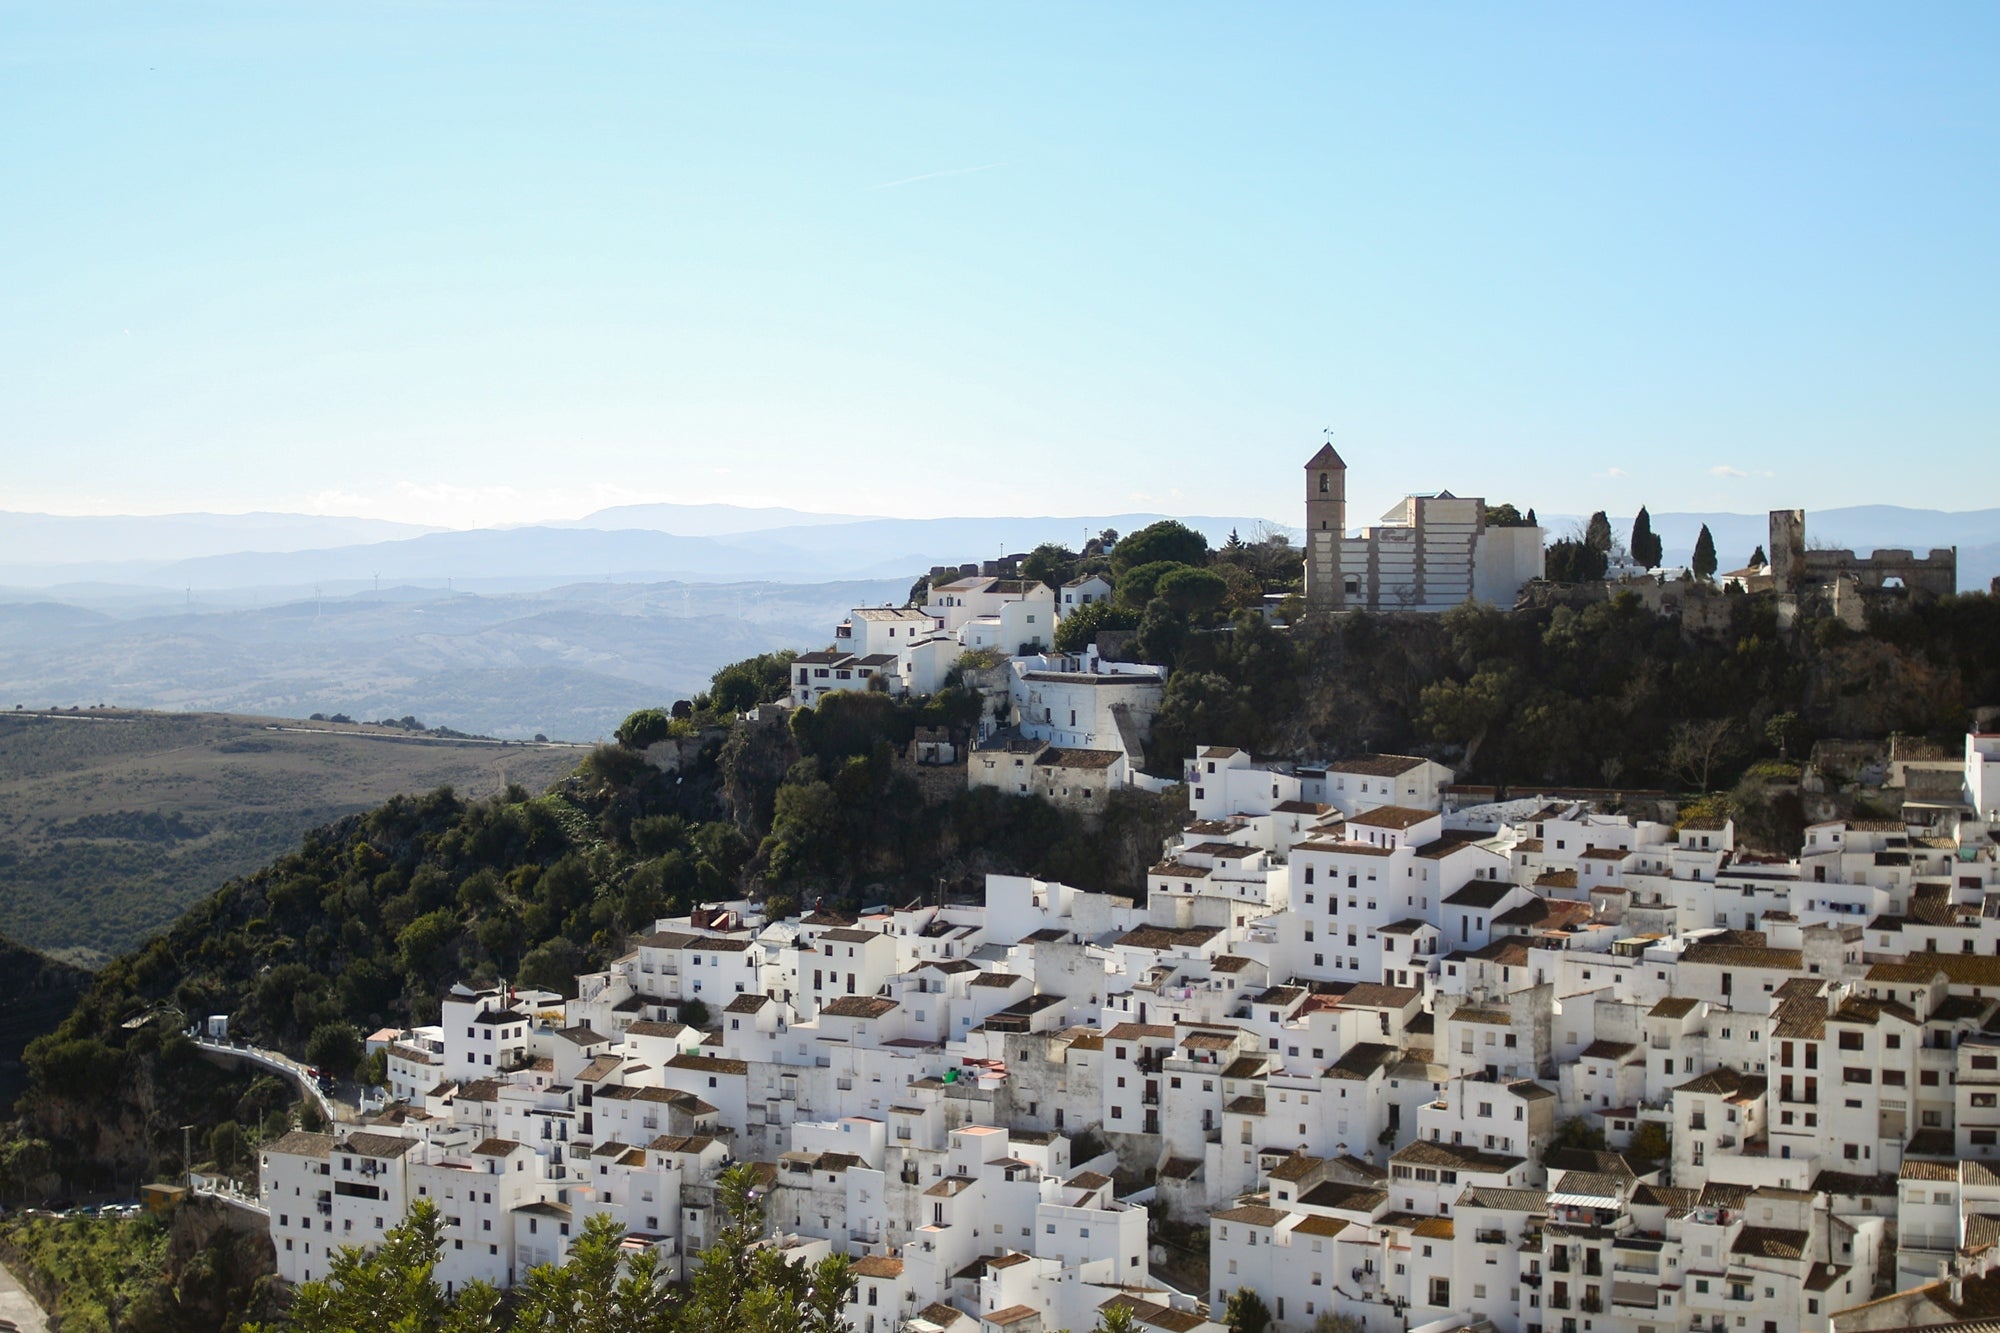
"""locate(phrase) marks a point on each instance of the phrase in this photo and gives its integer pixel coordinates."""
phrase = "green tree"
(1646, 548)
(1051, 563)
(1192, 591)
(1649, 1142)
(1246, 1312)
(1571, 561)
(335, 1047)
(226, 1145)
(599, 1289)
(742, 1286)
(1466, 712)
(1597, 533)
(1139, 584)
(1782, 730)
(1757, 557)
(648, 726)
(694, 1013)
(1077, 630)
(741, 686)
(1115, 1316)
(1504, 516)
(1168, 540)
(1704, 554)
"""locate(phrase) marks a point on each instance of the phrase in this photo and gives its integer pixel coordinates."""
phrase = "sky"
(481, 263)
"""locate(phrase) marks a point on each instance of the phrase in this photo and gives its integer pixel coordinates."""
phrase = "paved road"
(278, 1063)
(17, 1305)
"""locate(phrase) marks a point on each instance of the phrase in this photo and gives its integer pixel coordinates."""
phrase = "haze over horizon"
(471, 267)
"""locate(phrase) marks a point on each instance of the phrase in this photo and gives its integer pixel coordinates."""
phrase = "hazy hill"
(705, 520)
(568, 663)
(816, 548)
(73, 539)
(112, 822)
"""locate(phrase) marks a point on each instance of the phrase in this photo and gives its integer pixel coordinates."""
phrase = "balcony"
(1559, 1302)
(1590, 1305)
(1490, 1236)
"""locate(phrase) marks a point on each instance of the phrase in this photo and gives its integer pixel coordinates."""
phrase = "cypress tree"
(1704, 554)
(1646, 548)
(1757, 557)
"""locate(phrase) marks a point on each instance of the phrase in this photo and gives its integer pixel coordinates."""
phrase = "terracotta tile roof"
(1449, 842)
(1673, 1006)
(1392, 817)
(1168, 937)
(1140, 1032)
(1480, 894)
(1770, 1243)
(876, 1265)
(1254, 1215)
(1376, 765)
(859, 1006)
(1363, 1061)
(1744, 955)
(1371, 995)
(300, 1143)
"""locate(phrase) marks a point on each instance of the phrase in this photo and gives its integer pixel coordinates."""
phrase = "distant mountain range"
(240, 559)
(559, 628)
(805, 548)
(64, 539)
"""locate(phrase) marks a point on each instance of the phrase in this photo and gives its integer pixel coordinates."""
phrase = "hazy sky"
(464, 263)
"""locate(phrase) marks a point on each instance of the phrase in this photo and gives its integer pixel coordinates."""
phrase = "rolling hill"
(113, 821)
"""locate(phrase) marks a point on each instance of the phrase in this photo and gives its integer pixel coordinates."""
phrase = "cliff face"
(220, 1267)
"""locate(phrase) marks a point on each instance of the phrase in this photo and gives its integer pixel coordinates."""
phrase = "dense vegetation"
(103, 1269)
(35, 993)
(1604, 694)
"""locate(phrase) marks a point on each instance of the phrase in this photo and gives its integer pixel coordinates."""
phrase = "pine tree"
(1646, 549)
(1704, 554)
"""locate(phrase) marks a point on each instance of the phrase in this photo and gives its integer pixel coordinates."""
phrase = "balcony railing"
(1490, 1236)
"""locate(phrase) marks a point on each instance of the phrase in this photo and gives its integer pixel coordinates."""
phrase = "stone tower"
(1787, 552)
(1326, 524)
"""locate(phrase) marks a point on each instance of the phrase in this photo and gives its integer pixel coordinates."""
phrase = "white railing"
(280, 1063)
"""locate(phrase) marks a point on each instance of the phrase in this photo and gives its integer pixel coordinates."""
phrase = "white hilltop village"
(1325, 1060)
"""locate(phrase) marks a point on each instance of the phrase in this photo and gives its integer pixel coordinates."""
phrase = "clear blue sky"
(486, 262)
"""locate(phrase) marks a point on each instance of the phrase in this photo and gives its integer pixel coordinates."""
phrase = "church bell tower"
(1326, 524)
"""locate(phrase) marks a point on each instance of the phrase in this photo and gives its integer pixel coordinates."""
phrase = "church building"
(1429, 553)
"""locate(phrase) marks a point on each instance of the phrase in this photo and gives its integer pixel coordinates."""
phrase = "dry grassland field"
(113, 821)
